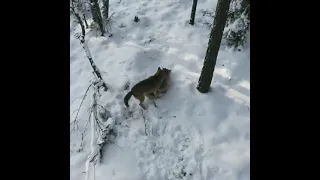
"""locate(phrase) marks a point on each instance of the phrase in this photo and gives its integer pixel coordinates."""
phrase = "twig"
(145, 52)
(84, 96)
(108, 24)
(97, 119)
(76, 118)
(74, 100)
(99, 105)
(145, 124)
(152, 55)
(94, 157)
(74, 127)
(98, 123)
(141, 138)
(85, 129)
(155, 104)
(81, 144)
(99, 101)
(248, 108)
(111, 15)
(89, 109)
(74, 112)
(94, 172)
(115, 145)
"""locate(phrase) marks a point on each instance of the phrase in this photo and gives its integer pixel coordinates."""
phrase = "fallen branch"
(103, 130)
(76, 118)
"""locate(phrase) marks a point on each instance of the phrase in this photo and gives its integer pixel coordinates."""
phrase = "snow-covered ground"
(190, 135)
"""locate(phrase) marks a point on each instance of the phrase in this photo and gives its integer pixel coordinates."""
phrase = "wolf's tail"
(127, 97)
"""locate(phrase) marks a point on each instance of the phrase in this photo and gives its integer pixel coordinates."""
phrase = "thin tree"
(193, 11)
(96, 15)
(81, 8)
(96, 70)
(105, 10)
(85, 21)
(219, 23)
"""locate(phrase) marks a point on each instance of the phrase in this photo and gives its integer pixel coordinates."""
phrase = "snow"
(190, 135)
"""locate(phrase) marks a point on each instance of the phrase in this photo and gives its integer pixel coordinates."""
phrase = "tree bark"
(219, 23)
(193, 11)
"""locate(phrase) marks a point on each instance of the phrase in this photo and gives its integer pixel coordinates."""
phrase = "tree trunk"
(193, 11)
(219, 23)
(93, 12)
(96, 15)
(105, 10)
